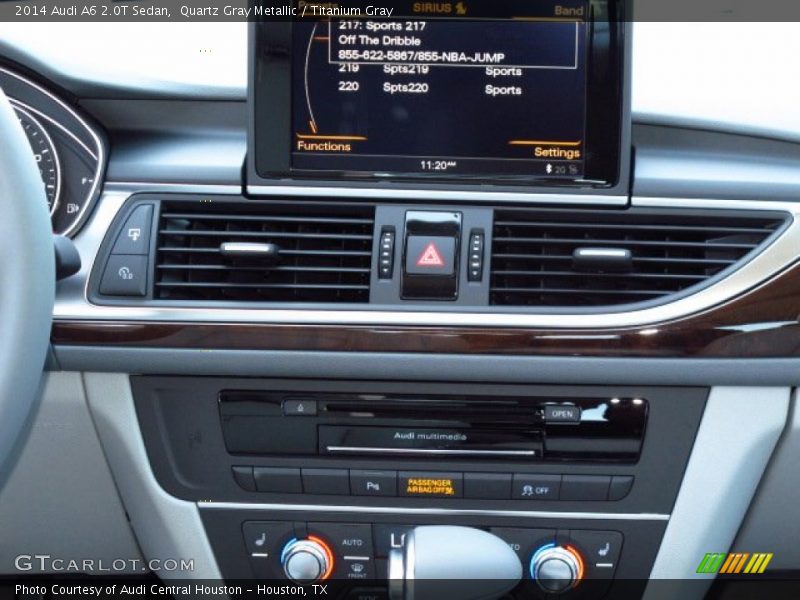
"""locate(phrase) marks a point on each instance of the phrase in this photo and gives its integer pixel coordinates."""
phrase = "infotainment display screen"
(470, 90)
(419, 95)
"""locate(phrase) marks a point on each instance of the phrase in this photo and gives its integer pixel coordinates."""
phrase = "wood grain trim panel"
(764, 323)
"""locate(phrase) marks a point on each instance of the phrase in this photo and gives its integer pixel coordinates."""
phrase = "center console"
(415, 139)
(309, 481)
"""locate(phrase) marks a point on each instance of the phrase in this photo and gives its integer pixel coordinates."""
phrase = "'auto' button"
(125, 275)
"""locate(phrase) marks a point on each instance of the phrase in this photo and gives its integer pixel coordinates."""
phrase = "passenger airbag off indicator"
(431, 484)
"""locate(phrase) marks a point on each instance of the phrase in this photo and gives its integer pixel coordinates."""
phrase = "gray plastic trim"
(72, 298)
(737, 436)
(432, 194)
(85, 518)
(166, 527)
(432, 367)
(449, 512)
(776, 502)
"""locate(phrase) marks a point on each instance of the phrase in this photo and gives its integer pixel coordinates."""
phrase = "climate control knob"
(307, 561)
(556, 569)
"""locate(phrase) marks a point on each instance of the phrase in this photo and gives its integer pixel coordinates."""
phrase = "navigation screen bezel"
(607, 128)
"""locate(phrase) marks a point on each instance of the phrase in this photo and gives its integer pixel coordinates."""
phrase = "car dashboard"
(419, 278)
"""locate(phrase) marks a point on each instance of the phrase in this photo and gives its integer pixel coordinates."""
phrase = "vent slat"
(659, 260)
(215, 250)
(544, 273)
(615, 243)
(265, 270)
(227, 219)
(325, 253)
(273, 286)
(550, 290)
(270, 235)
(706, 231)
(532, 254)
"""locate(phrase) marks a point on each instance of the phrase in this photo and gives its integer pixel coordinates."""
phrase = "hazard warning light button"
(431, 255)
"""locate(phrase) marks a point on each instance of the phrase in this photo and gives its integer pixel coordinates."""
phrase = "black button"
(475, 266)
(620, 487)
(562, 413)
(373, 483)
(585, 487)
(352, 544)
(244, 478)
(431, 484)
(524, 541)
(536, 487)
(278, 479)
(125, 275)
(389, 537)
(348, 539)
(326, 481)
(356, 568)
(134, 238)
(487, 485)
(600, 549)
(431, 255)
(300, 408)
(386, 255)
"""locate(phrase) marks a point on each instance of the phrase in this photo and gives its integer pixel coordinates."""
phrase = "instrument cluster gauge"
(44, 150)
(70, 150)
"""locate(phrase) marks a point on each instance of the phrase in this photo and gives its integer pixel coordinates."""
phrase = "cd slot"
(485, 409)
(422, 442)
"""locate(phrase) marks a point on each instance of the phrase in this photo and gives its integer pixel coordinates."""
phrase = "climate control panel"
(311, 552)
(554, 561)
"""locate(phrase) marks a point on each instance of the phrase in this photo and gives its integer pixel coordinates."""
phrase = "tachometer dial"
(46, 155)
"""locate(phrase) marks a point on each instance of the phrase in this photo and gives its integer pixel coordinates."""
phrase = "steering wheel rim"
(27, 283)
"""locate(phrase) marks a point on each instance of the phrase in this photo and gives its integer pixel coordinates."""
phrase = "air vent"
(538, 257)
(264, 253)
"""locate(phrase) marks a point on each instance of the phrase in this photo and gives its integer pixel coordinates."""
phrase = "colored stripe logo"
(734, 563)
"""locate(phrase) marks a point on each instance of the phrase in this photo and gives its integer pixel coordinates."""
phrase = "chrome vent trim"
(668, 253)
(72, 302)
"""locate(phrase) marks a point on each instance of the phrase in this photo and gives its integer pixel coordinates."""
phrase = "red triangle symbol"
(430, 257)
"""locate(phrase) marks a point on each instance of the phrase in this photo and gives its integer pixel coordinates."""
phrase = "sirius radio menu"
(423, 94)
